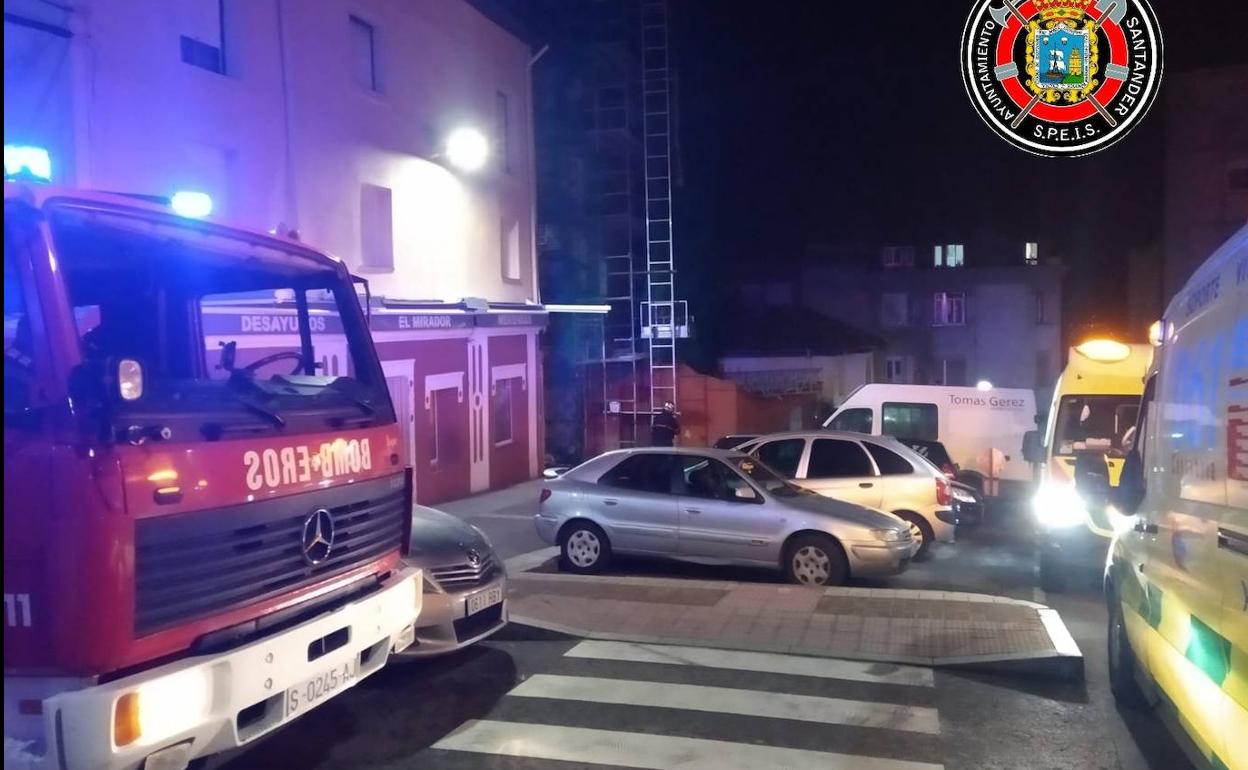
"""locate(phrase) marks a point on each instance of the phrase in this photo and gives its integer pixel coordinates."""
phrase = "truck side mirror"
(1130, 493)
(1033, 448)
(1092, 477)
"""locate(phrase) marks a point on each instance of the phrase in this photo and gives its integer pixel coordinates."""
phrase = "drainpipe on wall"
(537, 292)
(288, 177)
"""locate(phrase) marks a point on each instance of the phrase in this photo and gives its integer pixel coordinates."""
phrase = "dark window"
(855, 420)
(205, 45)
(501, 423)
(643, 473)
(834, 458)
(710, 479)
(910, 421)
(783, 456)
(1237, 178)
(364, 54)
(953, 371)
(889, 462)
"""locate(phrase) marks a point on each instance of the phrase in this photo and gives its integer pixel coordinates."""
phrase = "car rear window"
(889, 462)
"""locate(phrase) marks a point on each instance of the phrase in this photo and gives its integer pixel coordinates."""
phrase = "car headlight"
(1058, 506)
(891, 535)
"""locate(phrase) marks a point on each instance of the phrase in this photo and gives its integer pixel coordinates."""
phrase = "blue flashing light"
(191, 203)
(22, 161)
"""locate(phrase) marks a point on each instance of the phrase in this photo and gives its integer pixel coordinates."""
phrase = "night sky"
(847, 123)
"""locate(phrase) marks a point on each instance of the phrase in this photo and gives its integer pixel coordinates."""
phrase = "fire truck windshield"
(227, 331)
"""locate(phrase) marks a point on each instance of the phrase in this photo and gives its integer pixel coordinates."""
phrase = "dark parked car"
(968, 504)
(734, 440)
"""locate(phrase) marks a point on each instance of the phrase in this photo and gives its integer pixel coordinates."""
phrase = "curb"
(1067, 667)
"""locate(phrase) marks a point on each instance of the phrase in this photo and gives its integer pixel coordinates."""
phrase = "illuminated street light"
(467, 149)
(983, 385)
(191, 203)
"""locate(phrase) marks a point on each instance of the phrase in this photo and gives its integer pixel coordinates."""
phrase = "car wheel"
(584, 549)
(920, 532)
(1052, 579)
(1122, 664)
(815, 560)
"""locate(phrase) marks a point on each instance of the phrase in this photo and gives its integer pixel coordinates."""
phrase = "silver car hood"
(840, 509)
(439, 538)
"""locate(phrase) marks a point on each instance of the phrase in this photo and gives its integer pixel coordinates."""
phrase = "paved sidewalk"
(935, 628)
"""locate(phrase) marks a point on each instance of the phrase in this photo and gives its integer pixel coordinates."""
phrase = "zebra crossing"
(608, 704)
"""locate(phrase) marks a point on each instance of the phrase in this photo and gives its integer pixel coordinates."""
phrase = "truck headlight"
(891, 535)
(162, 708)
(1058, 506)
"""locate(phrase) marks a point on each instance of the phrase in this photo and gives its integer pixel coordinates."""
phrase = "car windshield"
(765, 477)
(230, 330)
(1094, 423)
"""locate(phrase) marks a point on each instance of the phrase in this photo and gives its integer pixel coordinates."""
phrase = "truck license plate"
(484, 599)
(307, 694)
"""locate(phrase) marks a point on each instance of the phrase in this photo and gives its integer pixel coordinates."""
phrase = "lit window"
(203, 42)
(1031, 254)
(953, 255)
(364, 54)
(376, 228)
(949, 309)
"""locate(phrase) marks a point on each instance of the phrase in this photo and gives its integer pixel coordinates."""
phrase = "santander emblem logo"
(272, 468)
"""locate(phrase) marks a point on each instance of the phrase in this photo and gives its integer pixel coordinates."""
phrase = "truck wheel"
(1052, 579)
(920, 532)
(584, 548)
(815, 560)
(1122, 664)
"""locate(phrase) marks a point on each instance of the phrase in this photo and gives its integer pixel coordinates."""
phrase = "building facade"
(935, 319)
(1206, 169)
(329, 121)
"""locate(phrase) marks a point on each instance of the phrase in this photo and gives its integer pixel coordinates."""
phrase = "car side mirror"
(553, 473)
(745, 495)
(1130, 493)
(1033, 447)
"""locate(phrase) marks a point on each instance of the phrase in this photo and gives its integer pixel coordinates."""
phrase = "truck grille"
(192, 565)
(461, 576)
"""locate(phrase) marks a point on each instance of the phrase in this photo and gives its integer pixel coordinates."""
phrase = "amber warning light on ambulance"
(1104, 350)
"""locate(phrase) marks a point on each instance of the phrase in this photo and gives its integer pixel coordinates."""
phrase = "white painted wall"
(148, 122)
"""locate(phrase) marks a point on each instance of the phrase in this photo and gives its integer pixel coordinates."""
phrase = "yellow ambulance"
(1091, 420)
(1177, 577)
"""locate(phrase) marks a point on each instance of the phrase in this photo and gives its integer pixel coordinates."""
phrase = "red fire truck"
(201, 543)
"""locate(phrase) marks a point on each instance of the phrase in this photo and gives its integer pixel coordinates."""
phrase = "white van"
(1177, 579)
(981, 429)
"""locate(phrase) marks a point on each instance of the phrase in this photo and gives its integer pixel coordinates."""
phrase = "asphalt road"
(530, 699)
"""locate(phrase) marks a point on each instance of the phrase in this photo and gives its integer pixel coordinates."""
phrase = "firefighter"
(665, 428)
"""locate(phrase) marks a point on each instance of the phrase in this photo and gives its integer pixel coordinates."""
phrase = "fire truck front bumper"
(168, 716)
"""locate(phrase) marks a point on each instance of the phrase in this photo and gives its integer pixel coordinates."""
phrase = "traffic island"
(929, 628)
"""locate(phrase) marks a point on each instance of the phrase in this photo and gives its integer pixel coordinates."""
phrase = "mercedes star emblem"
(318, 536)
(474, 559)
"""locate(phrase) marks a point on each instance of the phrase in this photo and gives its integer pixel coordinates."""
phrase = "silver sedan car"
(713, 506)
(465, 589)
